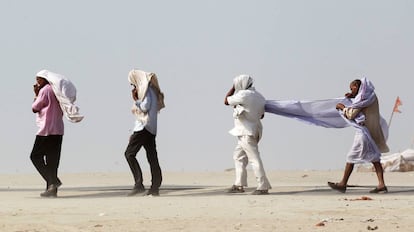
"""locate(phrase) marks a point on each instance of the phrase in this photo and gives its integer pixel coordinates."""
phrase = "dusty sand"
(196, 202)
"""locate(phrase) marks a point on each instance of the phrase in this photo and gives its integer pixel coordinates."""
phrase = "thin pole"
(389, 122)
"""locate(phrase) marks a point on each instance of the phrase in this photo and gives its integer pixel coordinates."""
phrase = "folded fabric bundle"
(141, 81)
(65, 92)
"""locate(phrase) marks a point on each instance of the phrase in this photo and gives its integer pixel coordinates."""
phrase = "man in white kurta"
(248, 111)
(369, 141)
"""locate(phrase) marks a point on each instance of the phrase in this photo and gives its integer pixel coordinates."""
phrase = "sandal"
(379, 190)
(260, 192)
(336, 187)
(235, 189)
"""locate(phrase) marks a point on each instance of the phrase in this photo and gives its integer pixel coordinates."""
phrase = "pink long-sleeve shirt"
(49, 116)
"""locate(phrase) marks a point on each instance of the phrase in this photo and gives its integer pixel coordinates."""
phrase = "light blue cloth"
(148, 105)
(319, 112)
(322, 113)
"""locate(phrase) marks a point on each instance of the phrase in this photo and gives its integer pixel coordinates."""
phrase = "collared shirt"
(49, 116)
(249, 108)
(148, 105)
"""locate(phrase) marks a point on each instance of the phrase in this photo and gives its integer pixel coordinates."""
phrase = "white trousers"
(247, 151)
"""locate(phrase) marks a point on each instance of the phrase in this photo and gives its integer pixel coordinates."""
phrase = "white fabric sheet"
(319, 112)
(322, 113)
(65, 92)
(141, 80)
(399, 162)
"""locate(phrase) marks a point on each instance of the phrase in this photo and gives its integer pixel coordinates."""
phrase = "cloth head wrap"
(142, 80)
(43, 73)
(365, 96)
(242, 82)
(65, 92)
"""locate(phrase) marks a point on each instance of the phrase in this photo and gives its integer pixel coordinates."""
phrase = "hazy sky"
(293, 49)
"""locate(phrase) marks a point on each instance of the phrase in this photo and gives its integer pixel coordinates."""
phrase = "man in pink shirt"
(47, 146)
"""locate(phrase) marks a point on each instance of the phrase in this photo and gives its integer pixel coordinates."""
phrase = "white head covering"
(365, 96)
(142, 80)
(65, 92)
(242, 82)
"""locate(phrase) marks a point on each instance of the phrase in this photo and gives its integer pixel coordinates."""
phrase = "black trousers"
(45, 157)
(147, 140)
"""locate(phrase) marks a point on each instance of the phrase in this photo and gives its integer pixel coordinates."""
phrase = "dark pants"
(45, 157)
(146, 139)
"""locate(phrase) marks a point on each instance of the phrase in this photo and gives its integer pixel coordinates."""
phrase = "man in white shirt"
(249, 108)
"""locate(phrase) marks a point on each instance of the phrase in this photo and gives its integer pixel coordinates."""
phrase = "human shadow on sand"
(200, 191)
(203, 191)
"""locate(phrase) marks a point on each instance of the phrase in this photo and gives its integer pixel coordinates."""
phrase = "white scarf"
(65, 93)
(366, 95)
(142, 80)
(241, 82)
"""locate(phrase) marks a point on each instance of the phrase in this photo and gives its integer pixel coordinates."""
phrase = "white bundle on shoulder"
(142, 80)
(65, 92)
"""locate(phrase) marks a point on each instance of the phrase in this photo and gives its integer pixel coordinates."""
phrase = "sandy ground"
(299, 201)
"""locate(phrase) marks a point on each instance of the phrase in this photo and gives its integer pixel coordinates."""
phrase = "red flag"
(397, 104)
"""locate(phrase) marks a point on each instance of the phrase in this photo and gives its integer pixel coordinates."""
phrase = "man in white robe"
(369, 141)
(248, 111)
